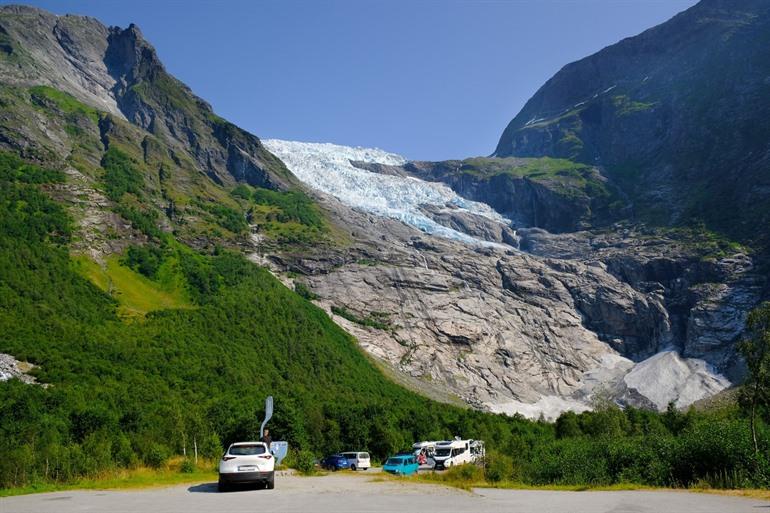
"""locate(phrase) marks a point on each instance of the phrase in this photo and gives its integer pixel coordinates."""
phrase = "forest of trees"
(125, 392)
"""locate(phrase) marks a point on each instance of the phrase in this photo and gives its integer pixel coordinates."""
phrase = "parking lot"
(370, 492)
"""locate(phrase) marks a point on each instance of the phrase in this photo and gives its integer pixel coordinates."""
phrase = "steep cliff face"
(678, 117)
(117, 71)
(644, 315)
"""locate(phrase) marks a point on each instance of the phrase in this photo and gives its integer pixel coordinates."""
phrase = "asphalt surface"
(362, 493)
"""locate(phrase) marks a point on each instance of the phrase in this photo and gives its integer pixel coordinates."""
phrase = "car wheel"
(353, 467)
(223, 487)
(270, 484)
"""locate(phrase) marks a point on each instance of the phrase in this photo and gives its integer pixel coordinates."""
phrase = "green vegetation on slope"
(562, 176)
(289, 217)
(125, 393)
(152, 182)
(136, 294)
(65, 102)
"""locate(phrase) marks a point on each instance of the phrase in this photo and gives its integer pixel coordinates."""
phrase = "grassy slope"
(136, 294)
(562, 176)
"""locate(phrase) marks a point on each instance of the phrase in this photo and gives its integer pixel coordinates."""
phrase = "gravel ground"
(362, 493)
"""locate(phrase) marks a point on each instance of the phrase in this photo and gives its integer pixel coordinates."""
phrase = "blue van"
(401, 465)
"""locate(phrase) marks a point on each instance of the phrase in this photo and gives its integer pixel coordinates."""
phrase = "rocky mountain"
(677, 117)
(641, 315)
(520, 284)
(118, 72)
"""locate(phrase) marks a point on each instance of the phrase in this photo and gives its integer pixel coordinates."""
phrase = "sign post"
(268, 415)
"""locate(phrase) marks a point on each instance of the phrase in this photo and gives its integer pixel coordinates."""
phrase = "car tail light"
(228, 458)
(265, 456)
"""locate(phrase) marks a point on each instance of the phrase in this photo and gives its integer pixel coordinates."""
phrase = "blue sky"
(428, 79)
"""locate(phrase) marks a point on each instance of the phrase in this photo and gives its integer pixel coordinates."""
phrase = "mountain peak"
(117, 71)
(671, 114)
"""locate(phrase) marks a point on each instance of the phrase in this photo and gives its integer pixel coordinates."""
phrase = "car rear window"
(247, 450)
(363, 455)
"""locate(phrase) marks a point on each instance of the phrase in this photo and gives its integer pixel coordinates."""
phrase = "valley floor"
(367, 492)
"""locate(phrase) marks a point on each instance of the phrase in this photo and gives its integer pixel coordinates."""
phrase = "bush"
(467, 473)
(145, 260)
(498, 467)
(303, 290)
(155, 455)
(187, 466)
(303, 461)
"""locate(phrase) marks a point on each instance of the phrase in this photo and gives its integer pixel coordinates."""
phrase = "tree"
(755, 349)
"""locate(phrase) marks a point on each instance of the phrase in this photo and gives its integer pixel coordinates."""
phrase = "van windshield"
(443, 452)
(394, 461)
(247, 450)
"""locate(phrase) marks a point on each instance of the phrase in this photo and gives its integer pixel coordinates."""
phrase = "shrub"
(467, 473)
(303, 461)
(145, 260)
(303, 290)
(498, 467)
(187, 466)
(155, 455)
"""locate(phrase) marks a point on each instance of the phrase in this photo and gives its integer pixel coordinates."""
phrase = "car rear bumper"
(246, 477)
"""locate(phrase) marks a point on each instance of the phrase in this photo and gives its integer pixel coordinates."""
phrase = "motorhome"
(478, 451)
(450, 453)
(425, 451)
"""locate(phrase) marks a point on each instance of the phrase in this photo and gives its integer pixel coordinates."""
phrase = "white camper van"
(428, 449)
(450, 453)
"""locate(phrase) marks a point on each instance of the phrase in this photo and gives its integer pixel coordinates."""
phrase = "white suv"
(357, 460)
(247, 462)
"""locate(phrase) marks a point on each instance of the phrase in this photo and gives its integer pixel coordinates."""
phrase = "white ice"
(327, 168)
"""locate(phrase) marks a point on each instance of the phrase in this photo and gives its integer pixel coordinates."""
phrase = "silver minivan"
(357, 460)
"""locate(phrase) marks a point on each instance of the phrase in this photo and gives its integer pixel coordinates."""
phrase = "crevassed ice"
(326, 167)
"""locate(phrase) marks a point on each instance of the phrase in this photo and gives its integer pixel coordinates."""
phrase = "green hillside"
(128, 390)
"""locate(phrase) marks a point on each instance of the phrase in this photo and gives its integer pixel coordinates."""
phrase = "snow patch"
(667, 377)
(548, 406)
(327, 168)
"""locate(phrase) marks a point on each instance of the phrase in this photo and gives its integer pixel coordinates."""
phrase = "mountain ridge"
(117, 70)
(676, 117)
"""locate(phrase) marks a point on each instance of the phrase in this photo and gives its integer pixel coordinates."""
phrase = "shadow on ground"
(204, 488)
(214, 488)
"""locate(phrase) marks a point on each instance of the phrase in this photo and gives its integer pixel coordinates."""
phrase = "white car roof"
(247, 443)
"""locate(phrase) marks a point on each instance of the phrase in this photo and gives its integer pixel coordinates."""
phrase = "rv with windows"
(424, 452)
(450, 453)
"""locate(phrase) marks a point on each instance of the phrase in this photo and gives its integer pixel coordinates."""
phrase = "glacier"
(327, 168)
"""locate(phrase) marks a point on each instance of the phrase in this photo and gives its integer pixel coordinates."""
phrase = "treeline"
(122, 393)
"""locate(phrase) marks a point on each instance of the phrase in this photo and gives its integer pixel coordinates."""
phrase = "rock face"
(117, 71)
(10, 368)
(576, 315)
(678, 117)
